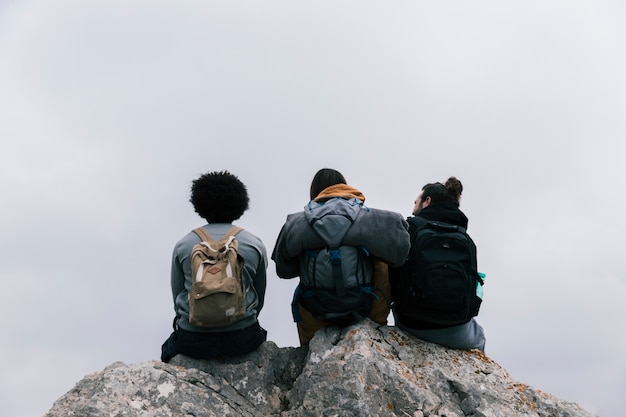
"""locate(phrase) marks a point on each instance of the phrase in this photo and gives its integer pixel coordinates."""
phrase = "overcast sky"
(109, 109)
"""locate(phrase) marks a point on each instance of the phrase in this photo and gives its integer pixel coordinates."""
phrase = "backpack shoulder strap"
(205, 236)
(233, 231)
(417, 222)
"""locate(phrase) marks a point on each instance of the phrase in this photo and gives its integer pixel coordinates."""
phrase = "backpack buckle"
(335, 256)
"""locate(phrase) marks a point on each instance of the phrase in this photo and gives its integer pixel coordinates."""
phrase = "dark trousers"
(213, 345)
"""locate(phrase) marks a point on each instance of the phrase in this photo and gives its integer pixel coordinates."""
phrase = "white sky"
(108, 110)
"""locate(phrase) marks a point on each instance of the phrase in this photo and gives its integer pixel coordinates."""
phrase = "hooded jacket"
(338, 216)
(439, 212)
(444, 212)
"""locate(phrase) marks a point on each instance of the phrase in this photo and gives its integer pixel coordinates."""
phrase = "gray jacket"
(340, 221)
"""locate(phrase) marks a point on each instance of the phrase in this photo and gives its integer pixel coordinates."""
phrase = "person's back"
(336, 225)
(220, 198)
(438, 204)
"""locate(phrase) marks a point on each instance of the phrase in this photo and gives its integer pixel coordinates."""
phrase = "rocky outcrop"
(363, 370)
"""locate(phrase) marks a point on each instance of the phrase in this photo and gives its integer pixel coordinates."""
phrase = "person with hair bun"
(449, 194)
(439, 203)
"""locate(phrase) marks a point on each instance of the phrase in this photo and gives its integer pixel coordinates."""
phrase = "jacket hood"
(333, 211)
(444, 212)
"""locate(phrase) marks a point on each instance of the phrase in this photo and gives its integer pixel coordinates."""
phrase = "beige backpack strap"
(233, 231)
(205, 236)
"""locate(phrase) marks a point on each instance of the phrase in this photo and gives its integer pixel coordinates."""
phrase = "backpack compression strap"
(335, 260)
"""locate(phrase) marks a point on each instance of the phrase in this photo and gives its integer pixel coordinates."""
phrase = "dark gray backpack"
(336, 284)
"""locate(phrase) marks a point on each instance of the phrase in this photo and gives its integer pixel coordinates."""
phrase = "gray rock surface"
(363, 370)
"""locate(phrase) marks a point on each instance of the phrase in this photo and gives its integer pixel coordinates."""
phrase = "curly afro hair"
(219, 197)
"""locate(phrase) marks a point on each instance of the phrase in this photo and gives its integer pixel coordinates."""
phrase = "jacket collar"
(444, 212)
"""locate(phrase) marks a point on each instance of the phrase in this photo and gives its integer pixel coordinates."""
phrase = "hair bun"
(454, 186)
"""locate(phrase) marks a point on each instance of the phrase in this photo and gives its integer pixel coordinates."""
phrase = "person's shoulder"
(249, 238)
(185, 243)
(247, 234)
(378, 212)
(296, 216)
(417, 220)
(295, 221)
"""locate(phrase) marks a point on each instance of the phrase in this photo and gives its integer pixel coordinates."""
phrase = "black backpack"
(437, 284)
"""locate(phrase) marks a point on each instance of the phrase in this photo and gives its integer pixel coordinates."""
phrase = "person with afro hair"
(220, 198)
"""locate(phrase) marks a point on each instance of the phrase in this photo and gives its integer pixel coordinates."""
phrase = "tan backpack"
(217, 297)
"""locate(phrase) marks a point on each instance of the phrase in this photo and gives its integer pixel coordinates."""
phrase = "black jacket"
(444, 212)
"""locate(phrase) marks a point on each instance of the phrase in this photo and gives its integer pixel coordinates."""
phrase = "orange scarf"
(339, 190)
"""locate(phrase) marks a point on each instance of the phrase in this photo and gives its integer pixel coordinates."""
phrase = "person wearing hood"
(337, 217)
(437, 203)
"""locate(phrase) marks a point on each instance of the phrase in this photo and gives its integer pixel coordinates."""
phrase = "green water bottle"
(479, 286)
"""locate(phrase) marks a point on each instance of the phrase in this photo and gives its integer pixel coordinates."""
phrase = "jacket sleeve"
(401, 241)
(286, 266)
(260, 280)
(177, 277)
(383, 233)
